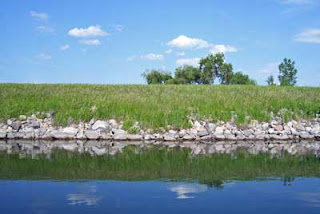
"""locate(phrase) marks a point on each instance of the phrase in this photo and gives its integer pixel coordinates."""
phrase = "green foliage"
(210, 67)
(156, 76)
(187, 75)
(241, 79)
(226, 73)
(155, 106)
(157, 163)
(287, 73)
(271, 81)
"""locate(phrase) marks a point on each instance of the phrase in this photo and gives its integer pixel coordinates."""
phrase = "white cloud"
(92, 31)
(94, 42)
(169, 51)
(45, 29)
(190, 61)
(185, 42)
(222, 49)
(181, 53)
(118, 28)
(43, 57)
(65, 47)
(309, 36)
(153, 57)
(188, 42)
(39, 16)
(298, 2)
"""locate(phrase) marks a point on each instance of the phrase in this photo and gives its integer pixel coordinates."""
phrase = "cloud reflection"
(185, 191)
(85, 196)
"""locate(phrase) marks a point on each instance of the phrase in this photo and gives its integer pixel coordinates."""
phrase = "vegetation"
(210, 68)
(287, 73)
(156, 106)
(241, 79)
(157, 163)
(271, 81)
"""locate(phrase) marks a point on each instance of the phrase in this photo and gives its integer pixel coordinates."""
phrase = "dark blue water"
(269, 196)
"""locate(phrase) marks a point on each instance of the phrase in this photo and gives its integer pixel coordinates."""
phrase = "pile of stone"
(34, 127)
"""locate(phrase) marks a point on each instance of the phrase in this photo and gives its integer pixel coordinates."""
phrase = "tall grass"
(156, 163)
(157, 106)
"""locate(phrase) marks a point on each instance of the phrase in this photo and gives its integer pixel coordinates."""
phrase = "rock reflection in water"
(33, 148)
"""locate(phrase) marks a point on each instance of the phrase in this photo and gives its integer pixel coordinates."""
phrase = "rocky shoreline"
(42, 127)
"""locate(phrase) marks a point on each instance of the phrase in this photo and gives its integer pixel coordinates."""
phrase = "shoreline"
(33, 128)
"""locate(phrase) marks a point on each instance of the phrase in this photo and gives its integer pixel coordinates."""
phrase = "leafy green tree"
(239, 78)
(270, 80)
(210, 67)
(226, 73)
(187, 75)
(287, 73)
(156, 76)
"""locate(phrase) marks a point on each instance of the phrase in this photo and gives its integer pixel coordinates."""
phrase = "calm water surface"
(29, 184)
(269, 196)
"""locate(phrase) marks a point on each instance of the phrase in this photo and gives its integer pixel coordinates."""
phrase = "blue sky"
(114, 41)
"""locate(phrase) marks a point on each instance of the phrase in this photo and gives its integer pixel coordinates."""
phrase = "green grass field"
(157, 106)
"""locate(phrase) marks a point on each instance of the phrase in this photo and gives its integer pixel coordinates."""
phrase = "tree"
(210, 67)
(287, 73)
(270, 80)
(156, 76)
(187, 75)
(241, 79)
(226, 73)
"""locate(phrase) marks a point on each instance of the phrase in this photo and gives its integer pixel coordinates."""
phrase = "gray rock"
(189, 137)
(219, 137)
(99, 124)
(206, 138)
(28, 133)
(16, 125)
(3, 134)
(56, 134)
(202, 133)
(113, 123)
(168, 137)
(22, 117)
(230, 137)
(248, 132)
(70, 132)
(305, 135)
(219, 130)
(134, 137)
(92, 134)
(120, 136)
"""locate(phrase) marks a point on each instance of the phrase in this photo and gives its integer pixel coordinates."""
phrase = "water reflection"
(86, 195)
(197, 148)
(310, 198)
(187, 190)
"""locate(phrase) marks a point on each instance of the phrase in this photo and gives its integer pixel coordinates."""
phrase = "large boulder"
(100, 124)
(71, 132)
(91, 134)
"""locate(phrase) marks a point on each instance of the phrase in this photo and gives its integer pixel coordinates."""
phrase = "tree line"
(214, 67)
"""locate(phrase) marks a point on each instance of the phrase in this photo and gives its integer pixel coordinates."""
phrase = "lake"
(159, 179)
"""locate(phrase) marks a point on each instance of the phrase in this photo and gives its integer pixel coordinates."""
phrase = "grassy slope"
(156, 106)
(158, 164)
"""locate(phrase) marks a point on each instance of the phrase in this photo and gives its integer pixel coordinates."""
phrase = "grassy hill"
(158, 105)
